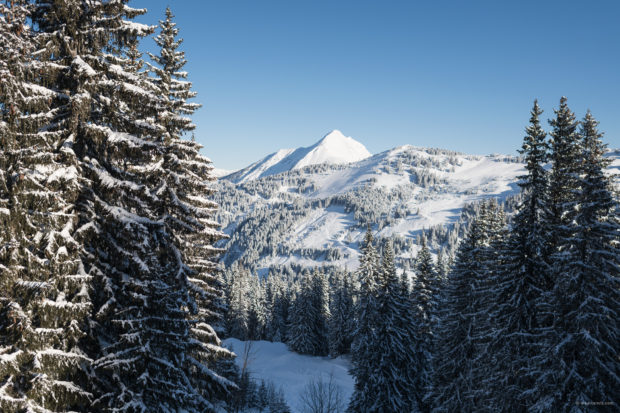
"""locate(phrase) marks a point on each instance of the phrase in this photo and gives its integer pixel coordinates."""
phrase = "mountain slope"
(334, 148)
(317, 215)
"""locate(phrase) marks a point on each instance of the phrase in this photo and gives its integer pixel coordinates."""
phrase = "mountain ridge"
(333, 148)
(317, 215)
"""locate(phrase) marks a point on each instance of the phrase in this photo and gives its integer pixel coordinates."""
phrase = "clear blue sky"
(456, 74)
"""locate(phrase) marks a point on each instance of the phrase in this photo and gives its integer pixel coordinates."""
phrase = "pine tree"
(463, 317)
(320, 304)
(341, 322)
(256, 309)
(279, 309)
(392, 358)
(365, 333)
(140, 339)
(425, 297)
(565, 156)
(44, 298)
(584, 363)
(521, 284)
(237, 290)
(188, 210)
(309, 317)
(301, 332)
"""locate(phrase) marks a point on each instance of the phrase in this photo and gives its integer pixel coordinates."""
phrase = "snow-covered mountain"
(334, 148)
(317, 214)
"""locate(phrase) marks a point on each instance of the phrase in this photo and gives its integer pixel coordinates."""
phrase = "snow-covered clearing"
(291, 371)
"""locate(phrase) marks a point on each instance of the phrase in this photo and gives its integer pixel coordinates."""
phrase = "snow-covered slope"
(291, 371)
(317, 215)
(334, 148)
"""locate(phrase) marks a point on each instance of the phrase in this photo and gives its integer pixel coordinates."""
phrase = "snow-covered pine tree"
(279, 306)
(397, 356)
(563, 189)
(237, 290)
(186, 191)
(320, 303)
(309, 316)
(442, 265)
(565, 158)
(256, 309)
(412, 358)
(362, 349)
(44, 298)
(108, 119)
(425, 296)
(520, 286)
(341, 322)
(462, 316)
(301, 331)
(490, 261)
(586, 292)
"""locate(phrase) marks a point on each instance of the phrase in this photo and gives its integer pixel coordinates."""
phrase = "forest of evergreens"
(113, 299)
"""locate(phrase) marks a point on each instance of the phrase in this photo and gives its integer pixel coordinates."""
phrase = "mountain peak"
(334, 135)
(333, 148)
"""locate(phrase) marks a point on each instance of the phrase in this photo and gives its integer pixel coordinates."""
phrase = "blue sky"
(460, 75)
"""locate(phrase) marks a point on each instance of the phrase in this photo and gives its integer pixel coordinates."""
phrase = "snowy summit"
(333, 148)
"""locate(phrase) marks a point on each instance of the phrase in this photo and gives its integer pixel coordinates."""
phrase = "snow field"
(291, 371)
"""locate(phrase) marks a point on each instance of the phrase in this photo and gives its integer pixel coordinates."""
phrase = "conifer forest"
(136, 278)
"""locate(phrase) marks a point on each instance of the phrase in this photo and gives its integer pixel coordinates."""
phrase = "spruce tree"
(320, 304)
(425, 297)
(301, 329)
(489, 257)
(392, 358)
(186, 191)
(563, 189)
(365, 333)
(278, 309)
(463, 316)
(565, 158)
(341, 322)
(256, 309)
(44, 298)
(584, 363)
(412, 358)
(106, 114)
(520, 312)
(309, 317)
(237, 291)
(442, 265)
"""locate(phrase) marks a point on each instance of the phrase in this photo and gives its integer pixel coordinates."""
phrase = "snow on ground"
(291, 371)
(322, 227)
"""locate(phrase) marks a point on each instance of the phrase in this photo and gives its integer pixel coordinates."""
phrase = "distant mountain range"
(310, 206)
